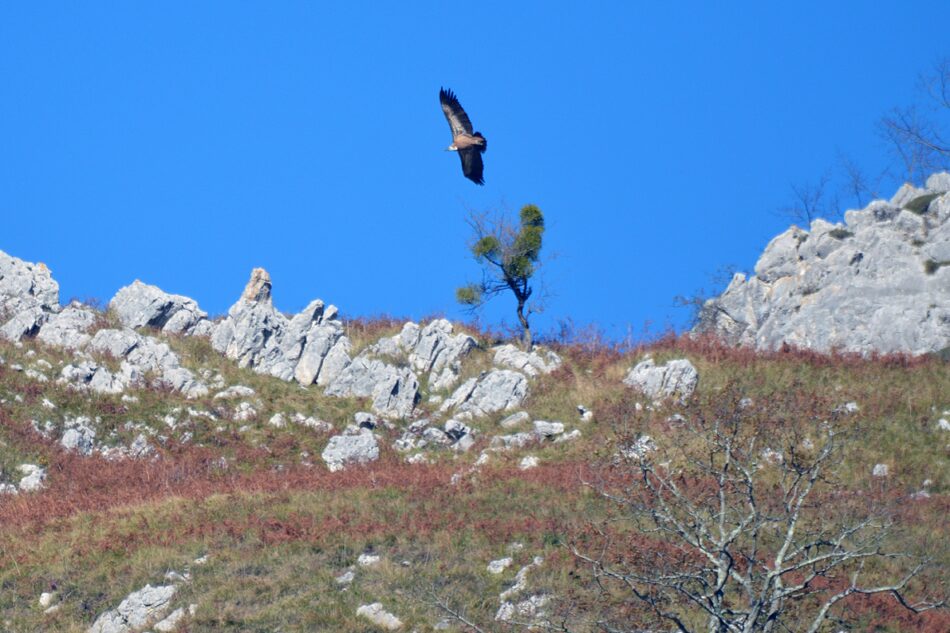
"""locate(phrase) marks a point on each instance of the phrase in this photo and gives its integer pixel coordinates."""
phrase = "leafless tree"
(747, 527)
(811, 201)
(857, 183)
(918, 134)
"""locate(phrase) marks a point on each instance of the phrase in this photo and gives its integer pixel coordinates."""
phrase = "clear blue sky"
(185, 143)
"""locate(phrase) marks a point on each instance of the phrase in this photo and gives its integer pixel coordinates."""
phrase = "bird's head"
(452, 148)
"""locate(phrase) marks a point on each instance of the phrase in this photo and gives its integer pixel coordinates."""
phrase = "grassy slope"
(277, 531)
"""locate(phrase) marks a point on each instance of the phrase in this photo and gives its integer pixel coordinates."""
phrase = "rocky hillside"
(160, 471)
(880, 282)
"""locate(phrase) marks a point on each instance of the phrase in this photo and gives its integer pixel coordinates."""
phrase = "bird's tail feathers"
(484, 143)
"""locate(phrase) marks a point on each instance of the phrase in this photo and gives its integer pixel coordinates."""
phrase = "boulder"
(531, 608)
(379, 616)
(394, 391)
(88, 375)
(171, 621)
(142, 305)
(69, 328)
(234, 391)
(500, 565)
(146, 355)
(34, 477)
(514, 420)
(676, 377)
(545, 429)
(79, 436)
(498, 390)
(533, 363)
(344, 450)
(139, 610)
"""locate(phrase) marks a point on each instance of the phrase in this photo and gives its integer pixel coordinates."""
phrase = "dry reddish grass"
(94, 484)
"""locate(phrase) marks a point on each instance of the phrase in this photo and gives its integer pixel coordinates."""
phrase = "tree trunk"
(525, 328)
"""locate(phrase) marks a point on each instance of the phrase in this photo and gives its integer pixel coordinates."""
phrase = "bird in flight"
(470, 145)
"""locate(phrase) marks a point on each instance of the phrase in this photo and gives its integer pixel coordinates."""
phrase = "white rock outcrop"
(28, 295)
(878, 283)
(433, 350)
(34, 477)
(139, 610)
(142, 305)
(309, 347)
(345, 450)
(676, 377)
(498, 390)
(534, 363)
(376, 614)
(394, 391)
(68, 328)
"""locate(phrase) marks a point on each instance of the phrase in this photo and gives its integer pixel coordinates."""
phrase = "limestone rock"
(379, 616)
(528, 462)
(344, 450)
(676, 377)
(434, 350)
(171, 621)
(531, 608)
(142, 305)
(500, 565)
(879, 283)
(498, 390)
(394, 391)
(69, 328)
(139, 610)
(938, 183)
(144, 355)
(533, 363)
(94, 377)
(544, 429)
(517, 440)
(514, 420)
(28, 294)
(309, 347)
(234, 391)
(79, 436)
(33, 479)
(258, 288)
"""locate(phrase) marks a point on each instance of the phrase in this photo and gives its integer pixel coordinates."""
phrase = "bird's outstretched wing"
(454, 114)
(472, 165)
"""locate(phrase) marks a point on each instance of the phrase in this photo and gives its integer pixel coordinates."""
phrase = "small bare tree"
(510, 256)
(811, 201)
(748, 529)
(919, 134)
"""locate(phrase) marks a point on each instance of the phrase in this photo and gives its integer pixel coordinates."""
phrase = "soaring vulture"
(470, 145)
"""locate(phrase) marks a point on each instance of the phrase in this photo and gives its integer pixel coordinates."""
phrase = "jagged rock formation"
(309, 347)
(140, 609)
(394, 391)
(28, 294)
(498, 390)
(141, 305)
(432, 350)
(533, 363)
(880, 282)
(29, 300)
